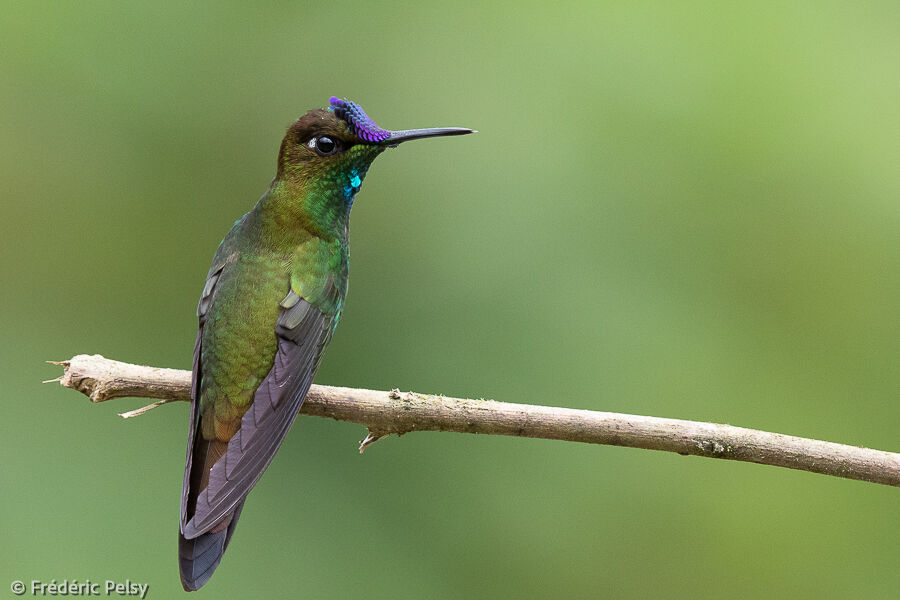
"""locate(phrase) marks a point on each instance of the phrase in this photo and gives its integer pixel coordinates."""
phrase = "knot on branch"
(713, 447)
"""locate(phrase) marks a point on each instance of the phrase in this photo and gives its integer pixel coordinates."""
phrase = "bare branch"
(384, 413)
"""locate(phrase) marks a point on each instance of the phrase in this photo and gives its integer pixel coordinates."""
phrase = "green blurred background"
(674, 209)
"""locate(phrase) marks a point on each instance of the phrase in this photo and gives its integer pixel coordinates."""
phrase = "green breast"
(238, 342)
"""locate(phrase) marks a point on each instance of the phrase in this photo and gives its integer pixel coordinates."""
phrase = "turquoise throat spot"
(350, 190)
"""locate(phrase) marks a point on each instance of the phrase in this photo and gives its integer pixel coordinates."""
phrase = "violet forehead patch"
(357, 120)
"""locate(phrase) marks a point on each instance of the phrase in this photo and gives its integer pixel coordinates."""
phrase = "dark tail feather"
(199, 557)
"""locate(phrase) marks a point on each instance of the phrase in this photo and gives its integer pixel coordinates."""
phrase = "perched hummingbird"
(272, 300)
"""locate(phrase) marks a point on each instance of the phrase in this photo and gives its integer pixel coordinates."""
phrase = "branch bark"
(384, 413)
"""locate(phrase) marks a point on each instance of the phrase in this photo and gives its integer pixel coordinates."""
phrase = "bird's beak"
(406, 135)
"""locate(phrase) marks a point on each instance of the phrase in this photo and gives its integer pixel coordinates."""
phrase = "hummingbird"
(271, 303)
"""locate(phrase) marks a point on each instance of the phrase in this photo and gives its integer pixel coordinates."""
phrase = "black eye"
(324, 145)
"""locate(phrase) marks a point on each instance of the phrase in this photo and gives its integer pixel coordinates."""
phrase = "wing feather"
(303, 331)
(202, 307)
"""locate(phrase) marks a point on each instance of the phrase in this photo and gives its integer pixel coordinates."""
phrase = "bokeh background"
(674, 209)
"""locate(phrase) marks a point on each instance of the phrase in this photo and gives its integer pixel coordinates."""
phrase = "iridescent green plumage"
(272, 300)
(295, 239)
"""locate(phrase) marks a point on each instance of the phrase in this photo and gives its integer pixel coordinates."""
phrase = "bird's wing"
(303, 331)
(202, 307)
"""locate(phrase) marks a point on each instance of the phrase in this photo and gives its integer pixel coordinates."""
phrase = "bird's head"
(334, 146)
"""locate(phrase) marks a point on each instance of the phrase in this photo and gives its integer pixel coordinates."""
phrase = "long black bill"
(406, 135)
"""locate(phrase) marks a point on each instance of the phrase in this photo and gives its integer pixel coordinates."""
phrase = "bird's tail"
(199, 557)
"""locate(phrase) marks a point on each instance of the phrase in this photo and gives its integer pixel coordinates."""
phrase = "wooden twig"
(384, 413)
